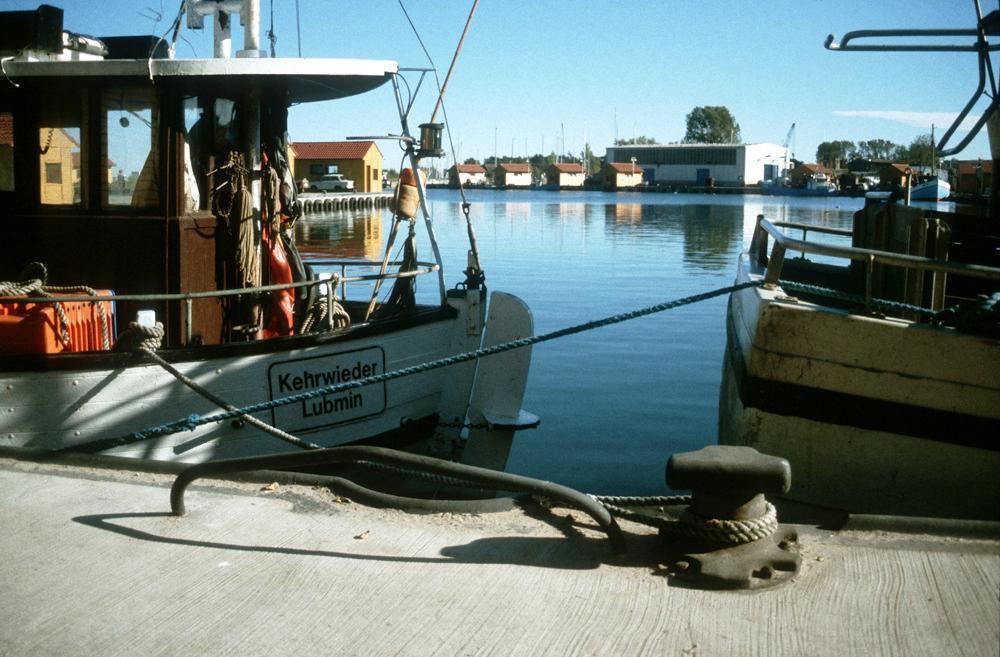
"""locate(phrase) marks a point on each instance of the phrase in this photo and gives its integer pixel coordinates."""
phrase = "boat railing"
(766, 230)
(188, 298)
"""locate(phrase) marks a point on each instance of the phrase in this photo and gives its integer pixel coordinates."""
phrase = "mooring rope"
(858, 299)
(195, 420)
(690, 524)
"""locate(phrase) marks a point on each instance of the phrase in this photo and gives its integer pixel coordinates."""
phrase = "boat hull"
(874, 415)
(932, 190)
(96, 396)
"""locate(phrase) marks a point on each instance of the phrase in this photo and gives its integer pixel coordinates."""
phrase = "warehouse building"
(739, 165)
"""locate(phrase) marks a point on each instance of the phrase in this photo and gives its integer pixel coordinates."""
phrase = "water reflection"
(614, 402)
(341, 234)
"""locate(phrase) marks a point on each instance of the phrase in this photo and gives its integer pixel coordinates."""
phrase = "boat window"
(6, 152)
(62, 166)
(131, 175)
(196, 155)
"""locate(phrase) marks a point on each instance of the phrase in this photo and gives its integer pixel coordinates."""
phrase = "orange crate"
(34, 328)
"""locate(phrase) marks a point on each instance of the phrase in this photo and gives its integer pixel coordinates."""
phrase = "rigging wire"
(298, 28)
(473, 245)
(271, 36)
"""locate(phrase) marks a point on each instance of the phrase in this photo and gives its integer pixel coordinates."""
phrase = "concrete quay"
(95, 564)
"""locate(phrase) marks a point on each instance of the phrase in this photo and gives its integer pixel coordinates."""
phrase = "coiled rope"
(33, 282)
(690, 524)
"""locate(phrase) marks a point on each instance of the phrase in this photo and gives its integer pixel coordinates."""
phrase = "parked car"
(332, 182)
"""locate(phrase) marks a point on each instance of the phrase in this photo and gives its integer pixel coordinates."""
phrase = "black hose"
(353, 454)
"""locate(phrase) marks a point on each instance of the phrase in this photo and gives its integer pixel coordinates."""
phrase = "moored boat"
(933, 189)
(194, 251)
(871, 362)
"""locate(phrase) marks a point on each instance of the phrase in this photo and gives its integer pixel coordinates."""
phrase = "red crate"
(34, 328)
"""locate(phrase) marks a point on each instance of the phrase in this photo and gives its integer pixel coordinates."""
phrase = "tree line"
(834, 153)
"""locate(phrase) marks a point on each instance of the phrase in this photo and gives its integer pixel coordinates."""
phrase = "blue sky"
(532, 72)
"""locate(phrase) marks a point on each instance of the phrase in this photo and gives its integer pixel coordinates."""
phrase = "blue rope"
(195, 420)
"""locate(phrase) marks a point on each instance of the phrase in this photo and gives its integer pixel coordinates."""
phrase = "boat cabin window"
(130, 130)
(61, 148)
(6, 152)
(195, 154)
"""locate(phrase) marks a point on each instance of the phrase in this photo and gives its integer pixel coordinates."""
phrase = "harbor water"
(614, 402)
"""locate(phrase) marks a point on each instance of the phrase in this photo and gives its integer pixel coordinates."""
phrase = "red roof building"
(360, 161)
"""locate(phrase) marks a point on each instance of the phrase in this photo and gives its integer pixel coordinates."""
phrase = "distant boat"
(817, 184)
(933, 189)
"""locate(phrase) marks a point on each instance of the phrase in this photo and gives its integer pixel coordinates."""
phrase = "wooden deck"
(96, 565)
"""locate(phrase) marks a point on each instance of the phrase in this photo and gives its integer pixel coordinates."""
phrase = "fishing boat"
(151, 274)
(172, 558)
(871, 361)
(932, 189)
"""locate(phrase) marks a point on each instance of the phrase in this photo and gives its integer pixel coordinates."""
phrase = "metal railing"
(188, 298)
(766, 230)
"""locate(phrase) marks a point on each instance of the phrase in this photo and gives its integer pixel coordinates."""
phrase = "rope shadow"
(546, 552)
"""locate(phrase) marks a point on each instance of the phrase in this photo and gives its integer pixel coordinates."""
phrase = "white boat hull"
(874, 415)
(75, 405)
(932, 190)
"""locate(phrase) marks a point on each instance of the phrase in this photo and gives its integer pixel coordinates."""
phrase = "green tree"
(834, 153)
(470, 160)
(920, 151)
(641, 140)
(712, 125)
(878, 149)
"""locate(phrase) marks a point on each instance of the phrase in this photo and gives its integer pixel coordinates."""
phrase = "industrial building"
(739, 165)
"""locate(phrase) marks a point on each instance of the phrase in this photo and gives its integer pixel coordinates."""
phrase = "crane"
(789, 139)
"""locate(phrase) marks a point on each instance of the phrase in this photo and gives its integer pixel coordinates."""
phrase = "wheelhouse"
(112, 157)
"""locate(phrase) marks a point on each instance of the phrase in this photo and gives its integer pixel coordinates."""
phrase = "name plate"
(292, 377)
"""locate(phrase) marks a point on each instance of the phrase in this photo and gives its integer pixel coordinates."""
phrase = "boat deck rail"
(766, 230)
(338, 280)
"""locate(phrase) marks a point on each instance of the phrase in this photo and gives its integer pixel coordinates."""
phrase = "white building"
(512, 174)
(565, 175)
(738, 165)
(466, 174)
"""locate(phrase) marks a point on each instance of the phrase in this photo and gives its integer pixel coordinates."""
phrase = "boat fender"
(406, 200)
(281, 312)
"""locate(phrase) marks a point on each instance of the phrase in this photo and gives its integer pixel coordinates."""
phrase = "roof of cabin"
(333, 150)
(515, 167)
(469, 168)
(567, 167)
(303, 80)
(625, 167)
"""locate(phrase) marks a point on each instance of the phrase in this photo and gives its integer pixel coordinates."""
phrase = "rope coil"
(33, 281)
(690, 524)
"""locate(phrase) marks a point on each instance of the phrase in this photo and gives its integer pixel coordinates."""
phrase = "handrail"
(782, 243)
(189, 297)
(429, 268)
(846, 45)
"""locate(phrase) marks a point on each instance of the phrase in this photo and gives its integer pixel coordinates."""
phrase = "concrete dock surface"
(95, 564)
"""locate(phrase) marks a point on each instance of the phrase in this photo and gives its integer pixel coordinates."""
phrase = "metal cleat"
(730, 537)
